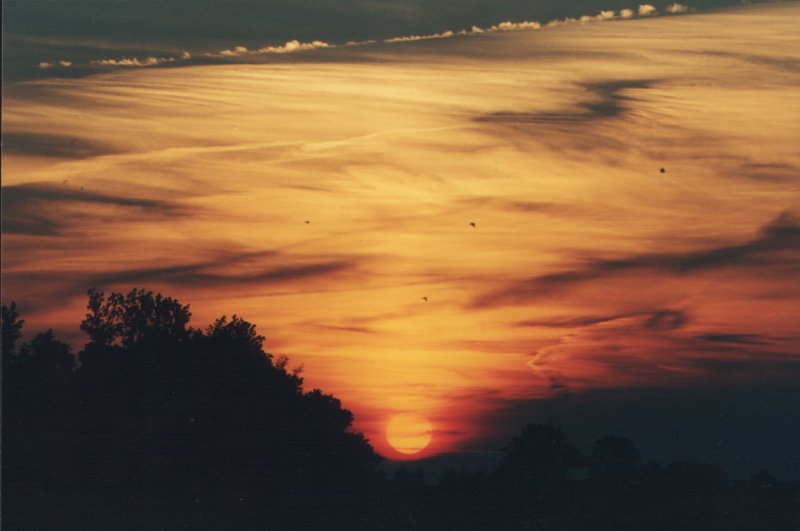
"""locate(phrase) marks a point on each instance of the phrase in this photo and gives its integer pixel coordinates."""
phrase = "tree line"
(156, 425)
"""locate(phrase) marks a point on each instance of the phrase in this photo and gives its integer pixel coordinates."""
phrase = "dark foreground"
(155, 425)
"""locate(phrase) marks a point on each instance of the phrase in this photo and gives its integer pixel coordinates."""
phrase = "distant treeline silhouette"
(156, 425)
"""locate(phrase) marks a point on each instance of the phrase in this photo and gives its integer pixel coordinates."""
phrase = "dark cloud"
(605, 99)
(787, 62)
(776, 239)
(353, 329)
(536, 206)
(51, 145)
(774, 368)
(201, 274)
(47, 210)
(769, 172)
(571, 322)
(557, 384)
(666, 320)
(745, 339)
(777, 244)
(449, 432)
(225, 269)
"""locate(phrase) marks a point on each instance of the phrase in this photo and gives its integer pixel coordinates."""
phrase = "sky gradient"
(329, 196)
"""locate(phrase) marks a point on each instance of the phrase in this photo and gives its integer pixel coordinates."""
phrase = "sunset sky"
(472, 228)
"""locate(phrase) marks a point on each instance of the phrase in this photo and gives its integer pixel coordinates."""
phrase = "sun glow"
(409, 433)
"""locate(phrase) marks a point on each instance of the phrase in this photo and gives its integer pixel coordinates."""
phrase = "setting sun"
(409, 433)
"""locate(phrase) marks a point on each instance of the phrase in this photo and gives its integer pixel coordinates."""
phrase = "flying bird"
(307, 222)
(472, 223)
(663, 170)
(425, 299)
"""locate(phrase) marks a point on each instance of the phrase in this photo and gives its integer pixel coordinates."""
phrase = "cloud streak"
(777, 244)
(48, 210)
(665, 319)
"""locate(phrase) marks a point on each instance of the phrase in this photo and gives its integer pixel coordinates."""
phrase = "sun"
(409, 433)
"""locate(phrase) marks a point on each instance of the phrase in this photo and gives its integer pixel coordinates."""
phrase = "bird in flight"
(425, 299)
(472, 224)
(307, 222)
(663, 170)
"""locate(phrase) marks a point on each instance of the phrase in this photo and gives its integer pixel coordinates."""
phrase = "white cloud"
(288, 47)
(561, 22)
(360, 43)
(186, 56)
(134, 61)
(677, 8)
(294, 46)
(233, 52)
(44, 65)
(645, 10)
(626, 13)
(443, 35)
(513, 26)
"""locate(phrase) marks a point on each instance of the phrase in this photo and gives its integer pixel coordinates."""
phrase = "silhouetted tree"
(533, 475)
(539, 455)
(11, 329)
(132, 318)
(614, 455)
(205, 424)
(37, 428)
(763, 480)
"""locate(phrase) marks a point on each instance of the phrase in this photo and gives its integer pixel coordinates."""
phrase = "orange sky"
(324, 199)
